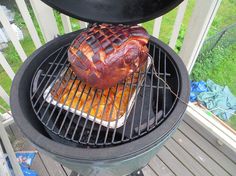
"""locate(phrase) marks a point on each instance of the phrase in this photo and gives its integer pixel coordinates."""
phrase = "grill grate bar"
(91, 130)
(67, 112)
(74, 114)
(129, 97)
(61, 108)
(142, 104)
(134, 108)
(118, 113)
(44, 101)
(158, 82)
(82, 110)
(55, 107)
(164, 97)
(150, 99)
(51, 67)
(100, 125)
(48, 81)
(50, 63)
(82, 133)
(112, 109)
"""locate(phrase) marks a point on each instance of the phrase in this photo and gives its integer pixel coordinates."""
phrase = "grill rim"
(113, 153)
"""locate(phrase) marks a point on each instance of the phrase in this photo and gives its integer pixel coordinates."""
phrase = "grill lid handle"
(114, 11)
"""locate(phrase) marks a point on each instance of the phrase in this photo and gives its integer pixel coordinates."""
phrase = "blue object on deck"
(25, 160)
(219, 100)
(196, 89)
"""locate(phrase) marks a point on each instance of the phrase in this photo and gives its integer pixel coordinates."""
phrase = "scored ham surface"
(106, 54)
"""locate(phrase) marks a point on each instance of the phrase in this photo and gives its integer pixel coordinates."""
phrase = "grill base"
(136, 173)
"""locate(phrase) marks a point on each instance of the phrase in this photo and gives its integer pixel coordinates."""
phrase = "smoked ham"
(104, 55)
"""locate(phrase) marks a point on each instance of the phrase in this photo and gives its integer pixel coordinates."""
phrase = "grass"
(219, 64)
(232, 122)
(222, 72)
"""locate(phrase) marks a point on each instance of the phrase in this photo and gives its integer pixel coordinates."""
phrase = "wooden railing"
(200, 21)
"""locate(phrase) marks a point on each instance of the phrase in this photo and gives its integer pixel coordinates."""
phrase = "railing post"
(4, 95)
(157, 27)
(10, 151)
(178, 22)
(29, 23)
(66, 23)
(6, 66)
(200, 22)
(83, 24)
(46, 19)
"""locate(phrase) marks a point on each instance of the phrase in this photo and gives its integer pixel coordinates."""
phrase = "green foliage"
(217, 65)
(232, 122)
(4, 105)
(149, 26)
(74, 24)
(180, 39)
(59, 22)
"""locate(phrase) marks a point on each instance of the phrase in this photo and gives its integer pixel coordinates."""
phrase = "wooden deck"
(190, 151)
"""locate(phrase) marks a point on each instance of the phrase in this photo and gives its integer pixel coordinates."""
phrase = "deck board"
(187, 160)
(67, 171)
(148, 171)
(229, 153)
(159, 167)
(176, 166)
(23, 144)
(53, 167)
(209, 149)
(199, 155)
(187, 152)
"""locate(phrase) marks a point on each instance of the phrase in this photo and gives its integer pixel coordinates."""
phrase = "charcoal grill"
(84, 145)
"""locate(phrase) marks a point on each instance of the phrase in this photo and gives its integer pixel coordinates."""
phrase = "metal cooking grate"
(153, 102)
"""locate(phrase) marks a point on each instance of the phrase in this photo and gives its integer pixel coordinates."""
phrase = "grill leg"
(137, 173)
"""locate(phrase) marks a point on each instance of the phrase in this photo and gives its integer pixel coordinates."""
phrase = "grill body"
(107, 159)
(116, 167)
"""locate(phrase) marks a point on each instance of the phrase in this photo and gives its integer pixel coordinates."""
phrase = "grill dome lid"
(114, 11)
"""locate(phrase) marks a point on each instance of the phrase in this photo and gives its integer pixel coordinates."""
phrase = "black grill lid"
(114, 11)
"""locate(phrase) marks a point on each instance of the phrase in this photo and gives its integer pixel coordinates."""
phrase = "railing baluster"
(29, 23)
(157, 27)
(12, 35)
(66, 23)
(200, 22)
(6, 66)
(83, 24)
(10, 151)
(4, 95)
(46, 19)
(178, 22)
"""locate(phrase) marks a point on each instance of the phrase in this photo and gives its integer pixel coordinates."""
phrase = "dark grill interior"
(152, 103)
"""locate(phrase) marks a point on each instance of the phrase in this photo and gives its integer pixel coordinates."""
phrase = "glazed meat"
(104, 55)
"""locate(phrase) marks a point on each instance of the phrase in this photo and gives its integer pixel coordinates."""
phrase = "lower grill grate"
(153, 101)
